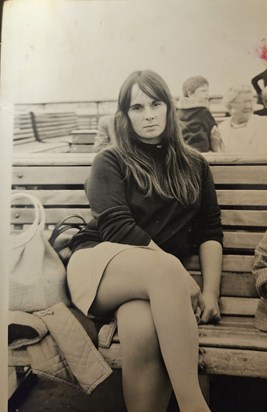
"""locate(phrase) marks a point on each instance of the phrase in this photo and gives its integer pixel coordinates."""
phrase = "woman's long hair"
(182, 177)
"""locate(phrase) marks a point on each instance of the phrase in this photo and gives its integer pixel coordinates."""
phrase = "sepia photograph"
(133, 206)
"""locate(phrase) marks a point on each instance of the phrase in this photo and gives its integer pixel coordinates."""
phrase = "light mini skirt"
(83, 284)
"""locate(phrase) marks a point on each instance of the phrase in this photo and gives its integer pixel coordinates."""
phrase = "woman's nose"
(149, 113)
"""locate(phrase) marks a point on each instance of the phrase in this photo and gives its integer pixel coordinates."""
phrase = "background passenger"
(105, 133)
(243, 131)
(198, 126)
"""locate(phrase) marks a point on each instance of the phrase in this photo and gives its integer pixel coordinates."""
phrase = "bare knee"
(168, 273)
(137, 333)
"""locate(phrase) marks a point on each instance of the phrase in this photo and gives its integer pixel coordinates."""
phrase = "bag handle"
(62, 226)
(38, 223)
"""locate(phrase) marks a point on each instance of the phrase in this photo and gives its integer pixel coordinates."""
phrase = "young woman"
(152, 199)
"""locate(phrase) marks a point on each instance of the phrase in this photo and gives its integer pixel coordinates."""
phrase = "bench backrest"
(241, 186)
(23, 131)
(53, 124)
(34, 126)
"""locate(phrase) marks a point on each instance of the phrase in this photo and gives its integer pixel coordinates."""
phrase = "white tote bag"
(37, 278)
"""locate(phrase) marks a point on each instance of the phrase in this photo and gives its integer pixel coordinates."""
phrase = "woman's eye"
(136, 107)
(158, 103)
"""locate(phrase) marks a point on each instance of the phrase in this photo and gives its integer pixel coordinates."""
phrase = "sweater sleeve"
(259, 266)
(255, 82)
(208, 223)
(106, 191)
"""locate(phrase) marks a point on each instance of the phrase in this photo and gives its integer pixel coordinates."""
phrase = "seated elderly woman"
(243, 131)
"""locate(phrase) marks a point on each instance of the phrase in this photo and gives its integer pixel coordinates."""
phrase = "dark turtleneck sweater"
(123, 214)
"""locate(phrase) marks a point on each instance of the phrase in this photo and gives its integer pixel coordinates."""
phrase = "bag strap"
(62, 226)
(38, 223)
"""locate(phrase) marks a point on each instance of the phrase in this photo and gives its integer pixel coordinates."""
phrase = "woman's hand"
(216, 141)
(197, 301)
(211, 312)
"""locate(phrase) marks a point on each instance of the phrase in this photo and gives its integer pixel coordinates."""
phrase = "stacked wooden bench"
(43, 131)
(231, 347)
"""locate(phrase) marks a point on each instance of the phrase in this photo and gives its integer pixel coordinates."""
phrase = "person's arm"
(208, 236)
(106, 189)
(210, 254)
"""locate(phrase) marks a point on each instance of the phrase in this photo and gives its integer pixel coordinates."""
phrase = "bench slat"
(238, 306)
(244, 218)
(255, 176)
(241, 239)
(24, 160)
(242, 197)
(235, 362)
(82, 148)
(231, 263)
(239, 338)
(37, 147)
(50, 175)
(25, 216)
(233, 284)
(217, 361)
(64, 198)
(241, 174)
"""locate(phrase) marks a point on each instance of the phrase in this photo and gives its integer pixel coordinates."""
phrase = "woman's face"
(147, 116)
(242, 107)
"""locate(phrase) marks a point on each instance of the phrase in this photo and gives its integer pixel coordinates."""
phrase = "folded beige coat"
(67, 353)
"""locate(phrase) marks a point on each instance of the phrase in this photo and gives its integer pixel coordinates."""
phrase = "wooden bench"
(231, 347)
(82, 141)
(44, 131)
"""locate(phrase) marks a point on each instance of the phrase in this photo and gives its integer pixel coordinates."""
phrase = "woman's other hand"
(211, 312)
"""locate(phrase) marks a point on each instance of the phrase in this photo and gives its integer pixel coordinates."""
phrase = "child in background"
(198, 126)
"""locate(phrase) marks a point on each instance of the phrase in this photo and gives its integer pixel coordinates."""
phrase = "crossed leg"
(146, 385)
(160, 279)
